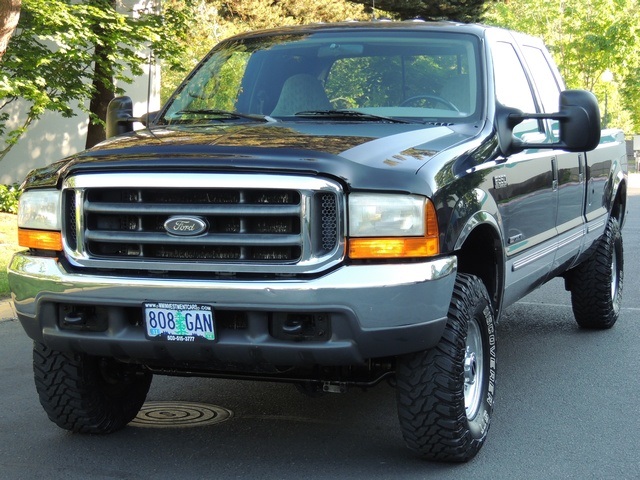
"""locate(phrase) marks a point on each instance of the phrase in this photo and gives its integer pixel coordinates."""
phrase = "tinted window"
(512, 86)
(545, 80)
(411, 74)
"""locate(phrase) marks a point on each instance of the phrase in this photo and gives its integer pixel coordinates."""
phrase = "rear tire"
(596, 284)
(445, 394)
(88, 394)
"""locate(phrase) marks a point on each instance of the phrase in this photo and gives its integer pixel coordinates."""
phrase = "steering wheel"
(433, 98)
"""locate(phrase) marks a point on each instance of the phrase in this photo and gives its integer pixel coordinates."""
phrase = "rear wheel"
(88, 394)
(596, 284)
(445, 394)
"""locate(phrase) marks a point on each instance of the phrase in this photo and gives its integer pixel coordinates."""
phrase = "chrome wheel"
(473, 369)
(614, 274)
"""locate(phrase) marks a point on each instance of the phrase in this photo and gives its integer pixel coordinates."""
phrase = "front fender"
(475, 207)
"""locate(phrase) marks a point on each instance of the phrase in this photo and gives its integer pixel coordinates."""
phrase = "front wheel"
(88, 394)
(596, 284)
(445, 394)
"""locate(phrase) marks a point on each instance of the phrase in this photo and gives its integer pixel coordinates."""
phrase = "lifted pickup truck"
(331, 206)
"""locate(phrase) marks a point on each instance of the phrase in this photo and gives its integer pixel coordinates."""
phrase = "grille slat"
(253, 223)
(173, 209)
(157, 238)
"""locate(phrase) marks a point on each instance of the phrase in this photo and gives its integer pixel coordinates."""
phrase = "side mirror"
(580, 125)
(578, 118)
(119, 116)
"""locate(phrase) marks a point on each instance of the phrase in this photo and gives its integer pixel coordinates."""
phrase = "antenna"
(151, 70)
(150, 75)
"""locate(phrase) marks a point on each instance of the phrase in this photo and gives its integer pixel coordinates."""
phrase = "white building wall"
(54, 137)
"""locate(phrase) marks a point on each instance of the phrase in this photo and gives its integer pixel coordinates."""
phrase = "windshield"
(375, 75)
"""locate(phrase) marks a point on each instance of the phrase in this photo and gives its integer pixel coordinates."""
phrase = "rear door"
(569, 168)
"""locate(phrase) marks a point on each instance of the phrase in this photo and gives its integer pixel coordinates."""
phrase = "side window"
(512, 86)
(545, 80)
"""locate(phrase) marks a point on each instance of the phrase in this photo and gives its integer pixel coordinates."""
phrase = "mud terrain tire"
(88, 394)
(445, 394)
(596, 284)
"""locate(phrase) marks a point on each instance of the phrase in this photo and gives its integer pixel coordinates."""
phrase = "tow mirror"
(119, 116)
(578, 120)
(580, 125)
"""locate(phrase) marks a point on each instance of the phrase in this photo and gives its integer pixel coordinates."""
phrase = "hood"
(345, 150)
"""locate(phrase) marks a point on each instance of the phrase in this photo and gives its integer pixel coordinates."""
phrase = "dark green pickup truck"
(332, 206)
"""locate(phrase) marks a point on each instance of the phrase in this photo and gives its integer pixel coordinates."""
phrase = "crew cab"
(333, 206)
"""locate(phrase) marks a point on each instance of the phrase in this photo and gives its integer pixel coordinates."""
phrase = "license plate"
(179, 322)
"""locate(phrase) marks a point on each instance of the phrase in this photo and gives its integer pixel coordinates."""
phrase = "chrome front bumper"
(375, 310)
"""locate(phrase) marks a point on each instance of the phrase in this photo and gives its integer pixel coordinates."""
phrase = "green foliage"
(9, 196)
(459, 10)
(587, 38)
(51, 61)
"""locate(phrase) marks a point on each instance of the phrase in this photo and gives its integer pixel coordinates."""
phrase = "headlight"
(39, 220)
(39, 210)
(385, 215)
(392, 226)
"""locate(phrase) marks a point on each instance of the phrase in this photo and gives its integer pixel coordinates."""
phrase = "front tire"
(596, 284)
(88, 394)
(445, 394)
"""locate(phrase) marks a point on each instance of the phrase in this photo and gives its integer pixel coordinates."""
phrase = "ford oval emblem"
(185, 226)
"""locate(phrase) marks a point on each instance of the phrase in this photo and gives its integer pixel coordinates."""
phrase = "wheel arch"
(480, 253)
(619, 205)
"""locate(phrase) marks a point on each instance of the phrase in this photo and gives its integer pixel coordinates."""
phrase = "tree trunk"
(9, 15)
(103, 93)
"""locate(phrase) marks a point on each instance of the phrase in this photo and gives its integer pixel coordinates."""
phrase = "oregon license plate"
(179, 322)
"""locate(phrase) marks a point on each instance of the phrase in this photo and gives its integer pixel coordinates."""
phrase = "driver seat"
(299, 93)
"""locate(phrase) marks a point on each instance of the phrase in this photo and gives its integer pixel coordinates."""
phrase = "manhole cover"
(179, 415)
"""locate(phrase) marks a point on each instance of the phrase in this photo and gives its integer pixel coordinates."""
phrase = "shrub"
(9, 195)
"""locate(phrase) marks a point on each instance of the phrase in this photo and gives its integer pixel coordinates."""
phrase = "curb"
(7, 311)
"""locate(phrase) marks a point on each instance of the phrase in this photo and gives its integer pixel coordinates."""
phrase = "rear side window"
(546, 83)
(544, 78)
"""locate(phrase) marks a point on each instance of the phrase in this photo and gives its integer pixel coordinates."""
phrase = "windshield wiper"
(349, 114)
(212, 112)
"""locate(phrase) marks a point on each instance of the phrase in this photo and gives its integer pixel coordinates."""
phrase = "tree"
(9, 15)
(459, 10)
(587, 38)
(67, 53)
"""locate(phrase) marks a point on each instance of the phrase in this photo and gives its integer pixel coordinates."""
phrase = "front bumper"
(375, 311)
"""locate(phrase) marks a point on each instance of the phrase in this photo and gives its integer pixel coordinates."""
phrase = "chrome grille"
(254, 223)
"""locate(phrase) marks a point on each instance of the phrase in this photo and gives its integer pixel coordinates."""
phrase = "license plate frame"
(179, 322)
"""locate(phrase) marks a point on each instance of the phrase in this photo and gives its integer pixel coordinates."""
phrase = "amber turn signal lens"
(392, 247)
(400, 247)
(40, 239)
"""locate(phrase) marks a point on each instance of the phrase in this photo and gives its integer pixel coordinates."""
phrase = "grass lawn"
(8, 245)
